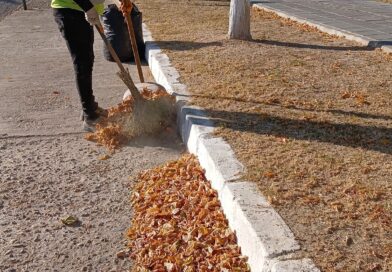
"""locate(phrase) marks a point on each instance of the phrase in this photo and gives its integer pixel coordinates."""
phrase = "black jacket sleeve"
(84, 4)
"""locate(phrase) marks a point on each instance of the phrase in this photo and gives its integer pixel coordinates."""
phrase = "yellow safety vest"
(72, 5)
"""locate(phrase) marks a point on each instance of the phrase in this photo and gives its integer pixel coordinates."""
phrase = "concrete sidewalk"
(37, 82)
(366, 21)
(7, 6)
(47, 169)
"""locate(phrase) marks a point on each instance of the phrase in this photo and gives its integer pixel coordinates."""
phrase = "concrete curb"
(262, 234)
(328, 29)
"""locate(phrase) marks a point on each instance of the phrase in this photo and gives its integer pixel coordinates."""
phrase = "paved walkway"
(7, 6)
(366, 21)
(47, 169)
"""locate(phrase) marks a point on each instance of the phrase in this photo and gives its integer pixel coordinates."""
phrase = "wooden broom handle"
(124, 74)
(134, 45)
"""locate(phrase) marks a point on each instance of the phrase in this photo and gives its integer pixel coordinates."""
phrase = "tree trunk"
(239, 21)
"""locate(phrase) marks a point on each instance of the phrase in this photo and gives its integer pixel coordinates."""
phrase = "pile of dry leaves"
(178, 224)
(115, 130)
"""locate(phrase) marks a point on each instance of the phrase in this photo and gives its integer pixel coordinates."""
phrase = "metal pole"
(24, 5)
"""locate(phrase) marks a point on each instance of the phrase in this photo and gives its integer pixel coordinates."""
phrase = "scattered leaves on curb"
(178, 224)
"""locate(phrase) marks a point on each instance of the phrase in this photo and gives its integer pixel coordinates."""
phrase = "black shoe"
(90, 125)
(99, 111)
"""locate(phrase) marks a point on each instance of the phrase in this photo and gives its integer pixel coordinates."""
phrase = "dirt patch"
(308, 114)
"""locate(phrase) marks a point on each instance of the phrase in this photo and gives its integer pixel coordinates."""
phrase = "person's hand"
(92, 17)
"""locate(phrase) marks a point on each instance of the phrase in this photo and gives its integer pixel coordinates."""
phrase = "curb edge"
(261, 233)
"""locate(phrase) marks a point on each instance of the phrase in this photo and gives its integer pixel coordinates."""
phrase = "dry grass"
(310, 116)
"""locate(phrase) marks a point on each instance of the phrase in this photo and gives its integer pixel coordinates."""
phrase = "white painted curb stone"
(262, 234)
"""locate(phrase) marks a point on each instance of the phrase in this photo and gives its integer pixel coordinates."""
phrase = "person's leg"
(79, 36)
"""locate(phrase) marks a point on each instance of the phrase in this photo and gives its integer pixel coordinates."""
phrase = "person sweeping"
(75, 20)
(148, 112)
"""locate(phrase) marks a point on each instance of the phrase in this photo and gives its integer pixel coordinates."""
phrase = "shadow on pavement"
(314, 46)
(184, 45)
(294, 107)
(168, 138)
(379, 44)
(362, 114)
(356, 136)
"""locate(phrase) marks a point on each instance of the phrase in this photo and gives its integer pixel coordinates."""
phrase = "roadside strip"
(262, 234)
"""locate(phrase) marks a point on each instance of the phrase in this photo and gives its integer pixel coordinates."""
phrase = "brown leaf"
(337, 206)
(361, 99)
(269, 174)
(349, 241)
(104, 157)
(346, 95)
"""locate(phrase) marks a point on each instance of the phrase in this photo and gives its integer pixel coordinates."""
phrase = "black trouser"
(79, 36)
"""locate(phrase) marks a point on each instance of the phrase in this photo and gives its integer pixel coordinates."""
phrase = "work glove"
(92, 17)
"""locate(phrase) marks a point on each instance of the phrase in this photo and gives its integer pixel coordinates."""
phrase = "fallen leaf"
(361, 99)
(169, 266)
(122, 254)
(346, 95)
(70, 220)
(375, 267)
(269, 174)
(349, 241)
(175, 211)
(104, 157)
(337, 206)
